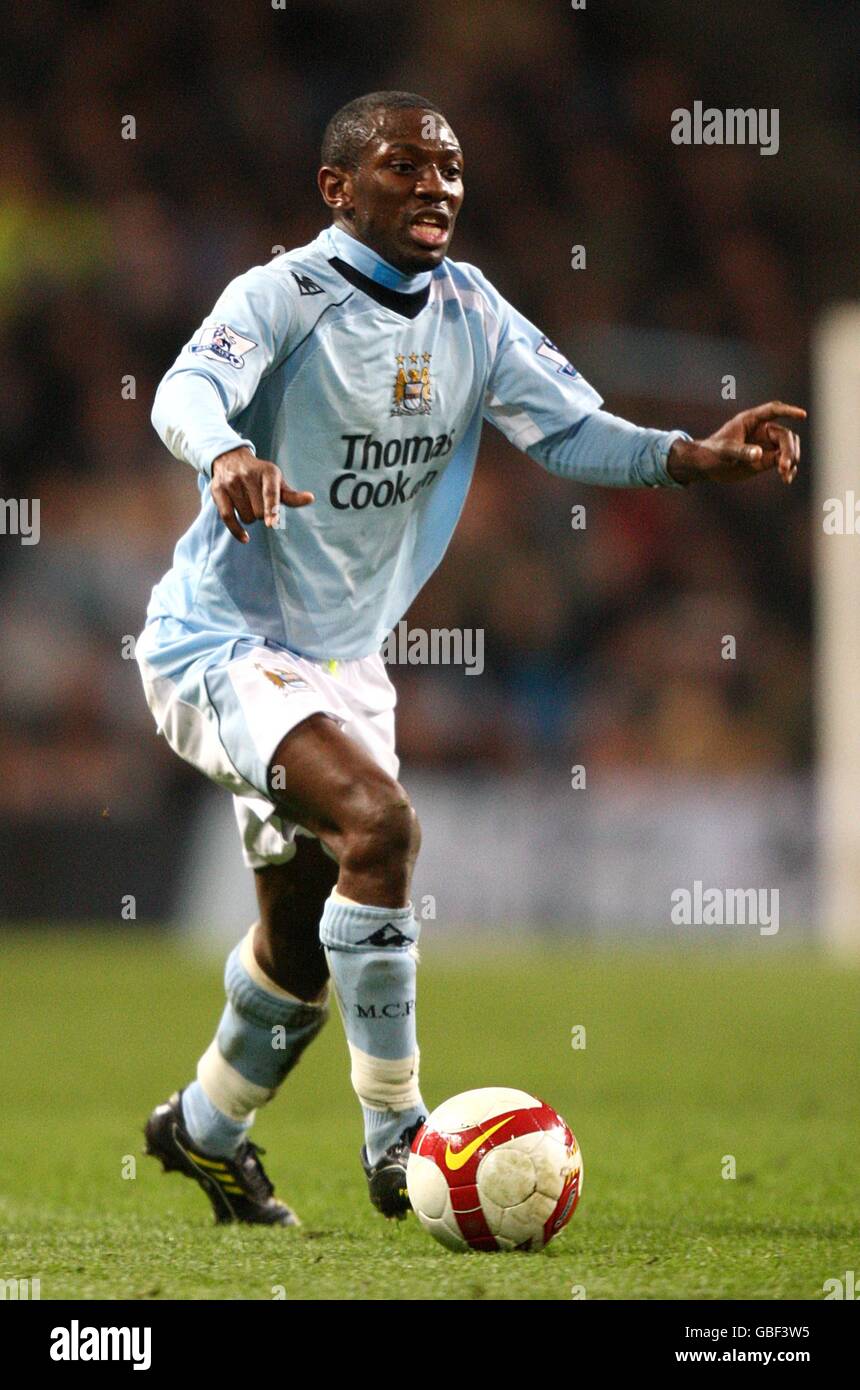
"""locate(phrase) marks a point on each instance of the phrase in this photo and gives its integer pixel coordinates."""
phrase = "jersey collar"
(362, 258)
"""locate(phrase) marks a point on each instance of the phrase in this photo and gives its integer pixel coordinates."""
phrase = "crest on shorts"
(283, 678)
(412, 386)
(223, 344)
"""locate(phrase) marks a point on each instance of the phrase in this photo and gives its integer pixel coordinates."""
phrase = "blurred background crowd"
(602, 644)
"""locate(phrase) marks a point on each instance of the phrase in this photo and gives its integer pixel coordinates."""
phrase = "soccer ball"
(494, 1169)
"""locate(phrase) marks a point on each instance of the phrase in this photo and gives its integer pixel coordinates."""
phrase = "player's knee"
(382, 829)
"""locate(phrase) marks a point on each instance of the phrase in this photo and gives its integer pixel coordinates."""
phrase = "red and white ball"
(494, 1169)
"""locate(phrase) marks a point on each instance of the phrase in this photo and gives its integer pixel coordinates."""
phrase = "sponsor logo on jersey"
(549, 350)
(223, 344)
(283, 678)
(412, 385)
(349, 492)
(374, 453)
(364, 454)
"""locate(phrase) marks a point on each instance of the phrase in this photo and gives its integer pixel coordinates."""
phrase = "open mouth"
(430, 228)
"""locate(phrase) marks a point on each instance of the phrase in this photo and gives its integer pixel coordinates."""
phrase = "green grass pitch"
(690, 1056)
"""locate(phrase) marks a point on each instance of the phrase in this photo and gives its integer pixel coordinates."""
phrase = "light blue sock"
(212, 1131)
(260, 1039)
(372, 958)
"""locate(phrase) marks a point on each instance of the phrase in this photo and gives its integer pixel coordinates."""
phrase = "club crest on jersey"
(549, 350)
(412, 387)
(283, 678)
(223, 344)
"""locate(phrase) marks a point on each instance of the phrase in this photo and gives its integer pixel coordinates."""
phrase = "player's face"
(404, 197)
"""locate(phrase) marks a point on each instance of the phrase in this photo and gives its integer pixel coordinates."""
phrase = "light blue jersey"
(379, 415)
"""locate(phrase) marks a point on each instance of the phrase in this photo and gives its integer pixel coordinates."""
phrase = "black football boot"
(386, 1178)
(237, 1187)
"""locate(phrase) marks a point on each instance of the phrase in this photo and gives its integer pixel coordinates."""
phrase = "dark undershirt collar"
(409, 305)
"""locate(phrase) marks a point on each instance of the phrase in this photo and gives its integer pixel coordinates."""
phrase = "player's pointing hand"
(751, 442)
(252, 488)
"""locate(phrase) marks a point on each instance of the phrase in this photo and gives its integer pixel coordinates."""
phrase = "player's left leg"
(332, 783)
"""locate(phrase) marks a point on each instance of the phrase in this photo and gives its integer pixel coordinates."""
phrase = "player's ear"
(335, 185)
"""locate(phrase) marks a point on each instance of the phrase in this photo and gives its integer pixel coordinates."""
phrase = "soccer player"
(332, 405)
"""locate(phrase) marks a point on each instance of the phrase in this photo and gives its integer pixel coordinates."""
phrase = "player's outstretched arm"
(541, 403)
(247, 489)
(751, 442)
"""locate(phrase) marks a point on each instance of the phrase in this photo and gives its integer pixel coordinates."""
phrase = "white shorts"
(224, 705)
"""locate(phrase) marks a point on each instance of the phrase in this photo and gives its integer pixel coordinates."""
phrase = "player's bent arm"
(189, 416)
(541, 404)
(213, 379)
(218, 371)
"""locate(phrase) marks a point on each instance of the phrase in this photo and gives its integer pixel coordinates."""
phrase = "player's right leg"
(276, 982)
(216, 700)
